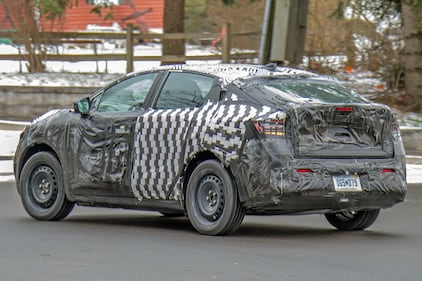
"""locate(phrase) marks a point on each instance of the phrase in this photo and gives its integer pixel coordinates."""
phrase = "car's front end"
(45, 133)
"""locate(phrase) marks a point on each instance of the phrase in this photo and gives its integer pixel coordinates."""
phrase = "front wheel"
(42, 188)
(353, 220)
(212, 201)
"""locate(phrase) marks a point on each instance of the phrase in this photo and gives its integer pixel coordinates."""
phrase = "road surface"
(102, 244)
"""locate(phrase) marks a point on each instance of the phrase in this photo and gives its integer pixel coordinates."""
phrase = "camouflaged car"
(215, 142)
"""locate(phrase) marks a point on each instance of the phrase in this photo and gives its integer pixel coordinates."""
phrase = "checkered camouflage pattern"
(166, 140)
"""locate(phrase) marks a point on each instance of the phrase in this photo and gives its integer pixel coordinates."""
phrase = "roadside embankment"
(412, 141)
(27, 103)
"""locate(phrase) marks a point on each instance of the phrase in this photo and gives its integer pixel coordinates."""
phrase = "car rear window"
(312, 91)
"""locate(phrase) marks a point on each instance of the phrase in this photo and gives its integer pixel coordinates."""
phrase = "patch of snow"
(410, 120)
(106, 47)
(57, 79)
(6, 167)
(9, 141)
(414, 173)
(7, 178)
(115, 27)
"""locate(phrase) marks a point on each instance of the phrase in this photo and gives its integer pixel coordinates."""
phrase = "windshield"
(311, 91)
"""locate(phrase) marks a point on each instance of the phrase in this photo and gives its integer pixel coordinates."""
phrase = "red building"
(144, 14)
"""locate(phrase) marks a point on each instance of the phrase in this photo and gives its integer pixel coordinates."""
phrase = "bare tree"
(31, 17)
(22, 16)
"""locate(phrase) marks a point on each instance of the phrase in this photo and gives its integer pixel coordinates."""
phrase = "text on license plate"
(347, 183)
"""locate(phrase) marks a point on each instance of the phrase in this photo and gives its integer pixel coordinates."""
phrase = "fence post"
(226, 43)
(129, 48)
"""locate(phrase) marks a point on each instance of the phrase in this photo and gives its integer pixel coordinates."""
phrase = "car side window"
(127, 95)
(183, 90)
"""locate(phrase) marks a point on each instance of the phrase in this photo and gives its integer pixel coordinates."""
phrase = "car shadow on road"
(155, 221)
(247, 229)
(300, 231)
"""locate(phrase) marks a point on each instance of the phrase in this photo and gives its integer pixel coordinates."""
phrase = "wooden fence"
(130, 36)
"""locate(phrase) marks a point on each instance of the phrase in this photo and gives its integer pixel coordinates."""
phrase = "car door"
(162, 134)
(100, 143)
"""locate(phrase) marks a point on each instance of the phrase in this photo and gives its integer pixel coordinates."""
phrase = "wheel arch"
(32, 151)
(195, 161)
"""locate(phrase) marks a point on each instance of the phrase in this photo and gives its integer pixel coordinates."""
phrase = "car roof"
(231, 72)
(240, 70)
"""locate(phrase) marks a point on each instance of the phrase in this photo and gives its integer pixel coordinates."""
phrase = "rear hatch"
(342, 131)
(325, 119)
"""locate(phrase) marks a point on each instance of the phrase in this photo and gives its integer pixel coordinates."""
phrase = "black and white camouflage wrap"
(228, 72)
(165, 141)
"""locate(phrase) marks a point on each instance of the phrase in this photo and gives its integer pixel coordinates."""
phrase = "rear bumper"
(269, 181)
(323, 203)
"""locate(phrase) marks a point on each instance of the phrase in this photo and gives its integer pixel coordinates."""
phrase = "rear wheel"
(353, 220)
(42, 188)
(212, 201)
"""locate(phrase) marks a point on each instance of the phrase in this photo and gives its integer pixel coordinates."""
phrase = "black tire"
(212, 201)
(353, 220)
(42, 188)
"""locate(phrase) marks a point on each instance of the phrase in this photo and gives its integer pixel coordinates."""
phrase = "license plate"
(347, 183)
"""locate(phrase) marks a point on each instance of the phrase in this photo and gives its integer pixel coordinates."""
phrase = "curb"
(414, 159)
(13, 125)
(6, 157)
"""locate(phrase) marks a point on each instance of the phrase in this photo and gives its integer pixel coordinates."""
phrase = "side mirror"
(82, 106)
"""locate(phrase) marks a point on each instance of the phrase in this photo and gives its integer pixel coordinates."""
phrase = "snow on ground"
(9, 140)
(414, 173)
(6, 171)
(107, 47)
(57, 79)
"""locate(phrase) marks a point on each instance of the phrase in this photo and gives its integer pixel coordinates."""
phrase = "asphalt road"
(101, 244)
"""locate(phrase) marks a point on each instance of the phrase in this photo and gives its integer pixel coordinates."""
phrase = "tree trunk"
(174, 15)
(32, 39)
(21, 14)
(412, 33)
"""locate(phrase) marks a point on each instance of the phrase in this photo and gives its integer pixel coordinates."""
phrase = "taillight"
(272, 127)
(304, 170)
(344, 109)
(387, 170)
